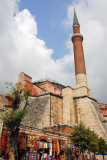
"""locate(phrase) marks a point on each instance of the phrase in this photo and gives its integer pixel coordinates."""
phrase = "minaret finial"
(75, 20)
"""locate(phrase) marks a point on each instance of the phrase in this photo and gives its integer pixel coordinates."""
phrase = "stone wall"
(88, 113)
(81, 91)
(56, 110)
(68, 107)
(43, 111)
(38, 112)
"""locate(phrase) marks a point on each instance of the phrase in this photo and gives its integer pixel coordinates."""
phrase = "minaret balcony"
(77, 35)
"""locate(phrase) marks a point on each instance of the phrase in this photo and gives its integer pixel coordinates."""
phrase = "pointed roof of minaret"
(75, 20)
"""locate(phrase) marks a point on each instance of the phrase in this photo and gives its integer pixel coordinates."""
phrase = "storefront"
(31, 147)
(36, 145)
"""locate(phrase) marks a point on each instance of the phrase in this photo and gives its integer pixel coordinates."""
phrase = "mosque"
(54, 109)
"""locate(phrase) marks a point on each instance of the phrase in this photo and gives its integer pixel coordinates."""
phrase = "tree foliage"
(102, 146)
(15, 113)
(12, 119)
(84, 138)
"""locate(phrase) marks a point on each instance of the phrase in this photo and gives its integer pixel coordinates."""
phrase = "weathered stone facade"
(87, 112)
(68, 109)
(56, 109)
(44, 110)
(38, 112)
(83, 109)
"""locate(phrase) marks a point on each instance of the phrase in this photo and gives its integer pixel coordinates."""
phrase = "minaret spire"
(75, 20)
(80, 70)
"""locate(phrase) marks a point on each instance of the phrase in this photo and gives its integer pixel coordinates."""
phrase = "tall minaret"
(80, 70)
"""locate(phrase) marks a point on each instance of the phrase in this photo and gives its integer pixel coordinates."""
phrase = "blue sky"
(50, 15)
(35, 38)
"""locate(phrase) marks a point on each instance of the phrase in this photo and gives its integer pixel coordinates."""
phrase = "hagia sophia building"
(54, 109)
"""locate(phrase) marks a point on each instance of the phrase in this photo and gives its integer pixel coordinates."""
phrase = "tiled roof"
(57, 84)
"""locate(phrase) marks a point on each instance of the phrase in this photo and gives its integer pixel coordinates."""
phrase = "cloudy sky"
(35, 39)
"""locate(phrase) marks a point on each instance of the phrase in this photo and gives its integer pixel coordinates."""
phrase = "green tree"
(93, 142)
(84, 138)
(102, 146)
(14, 114)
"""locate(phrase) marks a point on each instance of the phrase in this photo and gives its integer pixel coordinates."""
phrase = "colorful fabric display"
(31, 141)
(50, 150)
(39, 144)
(35, 143)
(46, 145)
(3, 143)
(8, 143)
(42, 144)
(22, 142)
(49, 145)
(54, 146)
(58, 150)
(68, 145)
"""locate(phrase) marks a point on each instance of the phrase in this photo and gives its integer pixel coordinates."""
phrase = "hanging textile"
(62, 145)
(42, 145)
(54, 147)
(35, 143)
(39, 144)
(22, 142)
(3, 143)
(68, 146)
(58, 149)
(31, 141)
(8, 143)
(49, 145)
(46, 145)
(50, 150)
